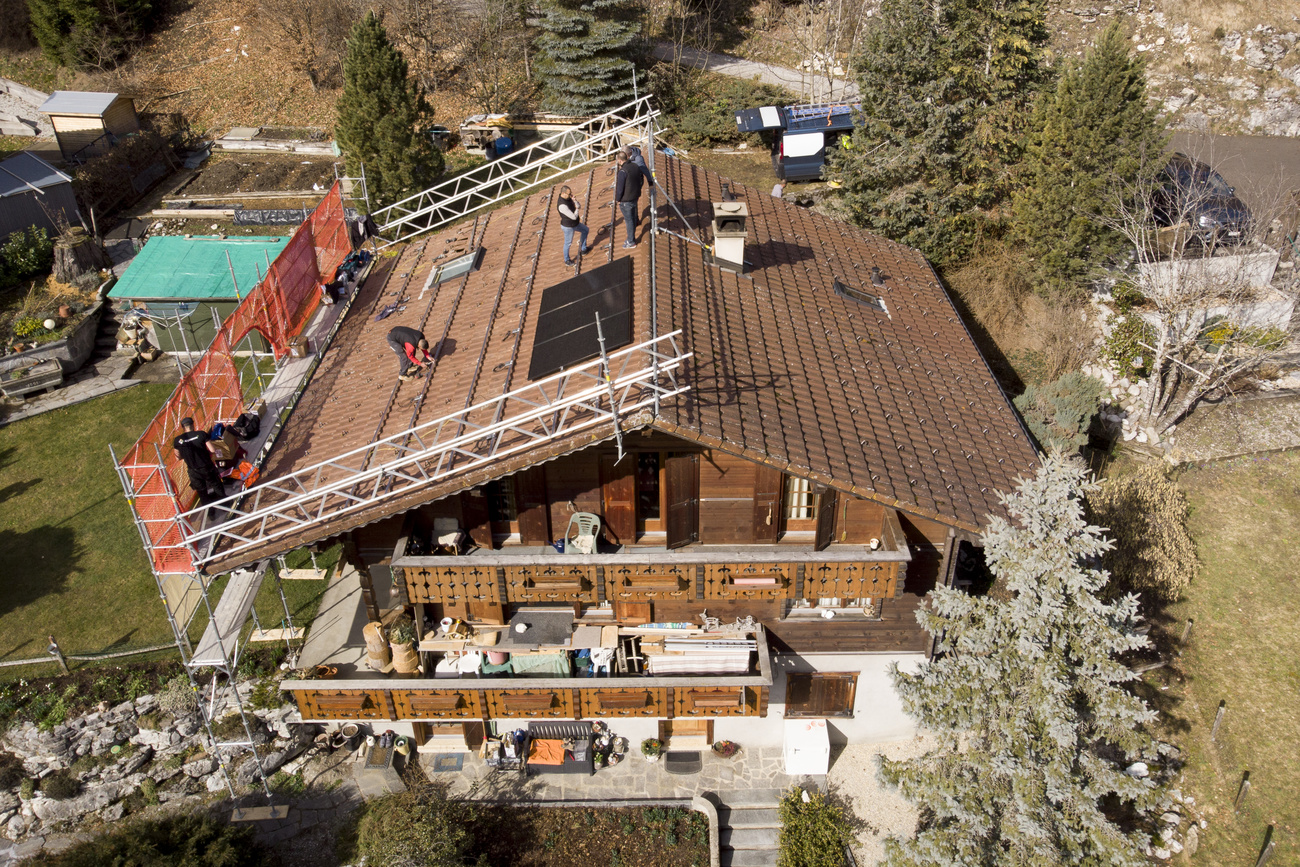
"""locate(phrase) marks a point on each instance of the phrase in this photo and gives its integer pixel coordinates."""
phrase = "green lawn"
(1245, 649)
(70, 555)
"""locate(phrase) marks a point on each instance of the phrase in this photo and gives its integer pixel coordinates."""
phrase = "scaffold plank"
(217, 646)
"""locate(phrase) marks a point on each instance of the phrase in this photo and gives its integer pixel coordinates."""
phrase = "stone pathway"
(95, 379)
(806, 84)
(632, 779)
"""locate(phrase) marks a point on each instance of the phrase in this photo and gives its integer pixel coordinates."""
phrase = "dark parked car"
(1191, 192)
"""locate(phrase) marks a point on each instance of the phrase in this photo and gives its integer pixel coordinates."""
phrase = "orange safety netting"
(277, 308)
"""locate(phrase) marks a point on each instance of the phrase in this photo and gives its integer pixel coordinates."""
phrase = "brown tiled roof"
(897, 407)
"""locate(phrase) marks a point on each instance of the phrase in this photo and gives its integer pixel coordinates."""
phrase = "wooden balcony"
(540, 574)
(367, 697)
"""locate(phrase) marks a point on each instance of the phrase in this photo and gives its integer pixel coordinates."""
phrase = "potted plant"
(726, 749)
(651, 749)
(401, 637)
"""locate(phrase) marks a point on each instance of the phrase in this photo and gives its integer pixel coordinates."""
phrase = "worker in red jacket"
(408, 343)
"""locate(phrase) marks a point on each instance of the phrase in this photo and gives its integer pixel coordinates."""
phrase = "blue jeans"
(631, 218)
(581, 228)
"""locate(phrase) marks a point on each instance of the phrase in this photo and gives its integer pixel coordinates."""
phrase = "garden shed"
(34, 193)
(88, 123)
(179, 282)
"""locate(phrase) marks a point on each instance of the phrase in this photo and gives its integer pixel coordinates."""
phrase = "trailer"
(801, 135)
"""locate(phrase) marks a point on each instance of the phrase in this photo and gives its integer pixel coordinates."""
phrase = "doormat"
(378, 758)
(448, 762)
(683, 762)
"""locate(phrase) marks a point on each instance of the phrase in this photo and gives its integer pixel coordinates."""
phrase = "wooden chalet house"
(826, 436)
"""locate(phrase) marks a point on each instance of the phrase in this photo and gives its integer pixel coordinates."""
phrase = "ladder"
(527, 168)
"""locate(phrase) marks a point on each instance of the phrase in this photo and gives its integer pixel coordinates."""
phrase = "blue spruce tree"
(587, 54)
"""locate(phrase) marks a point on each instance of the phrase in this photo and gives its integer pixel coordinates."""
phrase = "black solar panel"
(566, 325)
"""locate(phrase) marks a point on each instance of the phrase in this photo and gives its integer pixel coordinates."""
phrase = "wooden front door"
(682, 478)
(690, 733)
(531, 506)
(820, 694)
(474, 517)
(618, 491)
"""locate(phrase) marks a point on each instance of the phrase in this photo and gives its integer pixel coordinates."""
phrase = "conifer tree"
(1093, 129)
(945, 86)
(587, 54)
(382, 116)
(1029, 701)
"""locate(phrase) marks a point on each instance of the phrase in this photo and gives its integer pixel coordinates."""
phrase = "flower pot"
(377, 654)
(405, 659)
(65, 311)
(402, 746)
(325, 672)
(652, 758)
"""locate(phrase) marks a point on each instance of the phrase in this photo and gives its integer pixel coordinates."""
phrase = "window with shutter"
(820, 694)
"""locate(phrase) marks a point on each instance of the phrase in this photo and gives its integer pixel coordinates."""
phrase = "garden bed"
(564, 837)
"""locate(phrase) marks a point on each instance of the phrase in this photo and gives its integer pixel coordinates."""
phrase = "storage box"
(300, 347)
(225, 448)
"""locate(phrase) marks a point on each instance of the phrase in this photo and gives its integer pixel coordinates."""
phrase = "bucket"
(350, 732)
(496, 657)
(402, 746)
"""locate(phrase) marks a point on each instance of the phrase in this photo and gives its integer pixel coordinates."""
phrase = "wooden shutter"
(683, 495)
(474, 512)
(530, 503)
(768, 484)
(618, 490)
(825, 519)
(820, 694)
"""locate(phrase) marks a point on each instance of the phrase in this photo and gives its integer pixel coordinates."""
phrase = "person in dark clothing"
(407, 343)
(193, 449)
(627, 192)
(568, 209)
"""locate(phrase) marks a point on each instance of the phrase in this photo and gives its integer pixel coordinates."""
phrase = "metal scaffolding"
(510, 175)
(604, 390)
(607, 390)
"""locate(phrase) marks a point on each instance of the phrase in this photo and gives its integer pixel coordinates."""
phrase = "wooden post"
(1242, 792)
(350, 555)
(53, 650)
(1187, 630)
(1267, 852)
(1218, 718)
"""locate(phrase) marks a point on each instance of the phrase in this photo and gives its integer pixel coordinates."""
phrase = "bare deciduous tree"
(310, 35)
(1210, 297)
(827, 33)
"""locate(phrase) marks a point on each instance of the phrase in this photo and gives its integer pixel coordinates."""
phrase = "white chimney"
(729, 230)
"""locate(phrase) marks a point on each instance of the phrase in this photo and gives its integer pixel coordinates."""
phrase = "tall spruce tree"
(945, 88)
(587, 54)
(382, 118)
(1093, 129)
(1029, 702)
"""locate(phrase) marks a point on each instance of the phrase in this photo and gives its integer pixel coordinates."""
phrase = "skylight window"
(873, 301)
(456, 267)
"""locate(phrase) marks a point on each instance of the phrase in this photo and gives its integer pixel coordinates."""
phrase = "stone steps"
(749, 825)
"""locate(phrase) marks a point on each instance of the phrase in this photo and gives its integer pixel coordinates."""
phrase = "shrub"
(706, 109)
(25, 254)
(813, 834)
(1126, 296)
(27, 789)
(149, 790)
(177, 697)
(61, 785)
(1124, 347)
(289, 785)
(179, 840)
(1147, 515)
(1058, 414)
(418, 826)
(265, 694)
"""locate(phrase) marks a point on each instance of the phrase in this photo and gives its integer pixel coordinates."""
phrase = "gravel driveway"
(880, 811)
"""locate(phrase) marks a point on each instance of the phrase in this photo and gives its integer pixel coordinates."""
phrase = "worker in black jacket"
(407, 343)
(627, 192)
